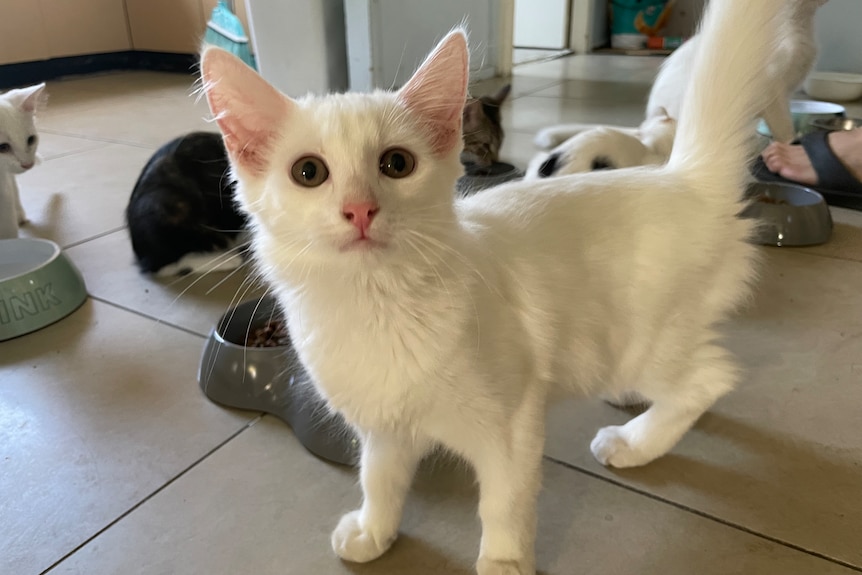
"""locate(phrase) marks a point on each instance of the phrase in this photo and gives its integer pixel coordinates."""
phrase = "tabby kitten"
(483, 133)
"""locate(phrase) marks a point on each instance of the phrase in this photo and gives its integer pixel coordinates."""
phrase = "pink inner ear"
(249, 111)
(29, 99)
(437, 92)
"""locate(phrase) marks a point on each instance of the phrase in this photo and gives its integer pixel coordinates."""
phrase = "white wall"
(388, 39)
(839, 35)
(299, 45)
(541, 23)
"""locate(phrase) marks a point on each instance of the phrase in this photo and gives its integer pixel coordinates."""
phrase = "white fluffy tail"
(728, 89)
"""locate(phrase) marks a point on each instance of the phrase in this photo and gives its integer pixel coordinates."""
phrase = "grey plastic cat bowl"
(272, 380)
(477, 178)
(39, 285)
(836, 124)
(789, 215)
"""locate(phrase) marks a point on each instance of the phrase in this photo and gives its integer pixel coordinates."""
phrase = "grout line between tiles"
(91, 238)
(73, 152)
(158, 320)
(532, 91)
(829, 257)
(97, 139)
(703, 514)
(161, 488)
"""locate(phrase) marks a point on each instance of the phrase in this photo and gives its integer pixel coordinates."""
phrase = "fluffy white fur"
(580, 148)
(456, 321)
(788, 66)
(18, 144)
(203, 263)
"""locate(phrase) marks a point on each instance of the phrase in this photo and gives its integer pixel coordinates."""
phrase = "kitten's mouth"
(26, 167)
(362, 243)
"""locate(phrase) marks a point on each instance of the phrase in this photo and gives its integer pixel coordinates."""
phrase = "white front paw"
(610, 447)
(487, 566)
(354, 542)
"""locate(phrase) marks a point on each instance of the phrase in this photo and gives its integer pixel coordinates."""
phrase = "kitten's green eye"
(5, 148)
(31, 141)
(309, 171)
(397, 163)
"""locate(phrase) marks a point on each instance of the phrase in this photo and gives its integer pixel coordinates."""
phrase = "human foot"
(792, 162)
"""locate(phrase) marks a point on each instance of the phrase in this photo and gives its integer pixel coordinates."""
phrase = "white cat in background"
(433, 321)
(788, 66)
(580, 148)
(577, 147)
(18, 143)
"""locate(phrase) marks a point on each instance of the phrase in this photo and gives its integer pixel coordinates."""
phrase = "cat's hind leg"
(779, 119)
(674, 409)
(386, 473)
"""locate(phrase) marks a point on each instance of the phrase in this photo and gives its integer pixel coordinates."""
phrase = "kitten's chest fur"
(378, 353)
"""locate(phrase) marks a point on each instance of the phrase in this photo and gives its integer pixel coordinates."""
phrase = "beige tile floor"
(113, 462)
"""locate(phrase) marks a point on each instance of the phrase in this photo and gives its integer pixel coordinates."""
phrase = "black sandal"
(835, 182)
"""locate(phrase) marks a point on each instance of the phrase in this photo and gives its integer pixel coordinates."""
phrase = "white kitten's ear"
(438, 89)
(28, 99)
(662, 111)
(248, 110)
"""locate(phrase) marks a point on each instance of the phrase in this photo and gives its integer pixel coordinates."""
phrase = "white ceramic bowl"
(804, 112)
(834, 86)
(38, 286)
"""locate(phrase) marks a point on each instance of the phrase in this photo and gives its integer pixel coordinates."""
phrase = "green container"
(39, 285)
(632, 21)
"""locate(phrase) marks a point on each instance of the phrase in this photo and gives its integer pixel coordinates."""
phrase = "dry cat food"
(272, 334)
(767, 200)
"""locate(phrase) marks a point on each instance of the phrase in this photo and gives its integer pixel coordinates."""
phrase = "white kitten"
(603, 147)
(789, 64)
(18, 143)
(428, 321)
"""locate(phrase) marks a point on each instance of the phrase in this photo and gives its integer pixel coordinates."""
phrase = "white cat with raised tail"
(789, 64)
(427, 320)
(18, 144)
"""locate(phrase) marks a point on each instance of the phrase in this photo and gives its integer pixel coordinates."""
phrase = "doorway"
(541, 30)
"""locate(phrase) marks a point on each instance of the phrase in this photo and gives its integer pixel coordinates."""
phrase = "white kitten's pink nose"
(360, 214)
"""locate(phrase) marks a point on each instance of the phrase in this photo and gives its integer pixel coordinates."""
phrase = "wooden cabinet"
(84, 26)
(22, 32)
(32, 30)
(166, 25)
(173, 25)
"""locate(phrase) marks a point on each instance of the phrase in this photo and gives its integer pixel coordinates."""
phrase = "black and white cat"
(18, 144)
(182, 216)
(581, 148)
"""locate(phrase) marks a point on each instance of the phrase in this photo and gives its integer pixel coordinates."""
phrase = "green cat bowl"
(804, 113)
(39, 285)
